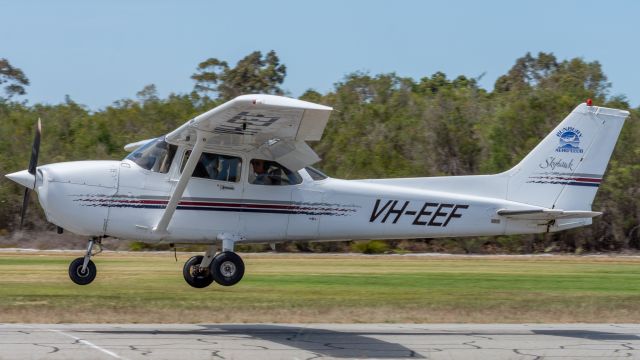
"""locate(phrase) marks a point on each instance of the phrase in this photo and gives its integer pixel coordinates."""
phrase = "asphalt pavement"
(319, 341)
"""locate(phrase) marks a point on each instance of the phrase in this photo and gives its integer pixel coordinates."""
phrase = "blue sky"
(101, 51)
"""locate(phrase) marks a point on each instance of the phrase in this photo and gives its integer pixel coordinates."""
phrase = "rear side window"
(215, 167)
(266, 172)
(315, 173)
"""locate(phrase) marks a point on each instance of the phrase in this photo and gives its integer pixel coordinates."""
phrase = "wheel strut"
(82, 270)
(87, 257)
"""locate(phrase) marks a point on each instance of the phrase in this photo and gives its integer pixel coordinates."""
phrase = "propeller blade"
(35, 149)
(25, 203)
(33, 163)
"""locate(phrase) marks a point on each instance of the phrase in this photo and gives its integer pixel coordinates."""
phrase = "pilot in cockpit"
(259, 175)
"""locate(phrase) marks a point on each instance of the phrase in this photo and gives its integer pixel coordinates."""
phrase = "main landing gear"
(82, 270)
(225, 268)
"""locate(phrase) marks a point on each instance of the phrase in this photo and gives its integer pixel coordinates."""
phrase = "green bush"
(370, 247)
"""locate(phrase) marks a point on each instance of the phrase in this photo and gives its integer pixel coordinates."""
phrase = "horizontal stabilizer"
(546, 214)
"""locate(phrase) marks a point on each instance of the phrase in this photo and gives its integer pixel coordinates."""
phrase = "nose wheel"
(82, 270)
(80, 274)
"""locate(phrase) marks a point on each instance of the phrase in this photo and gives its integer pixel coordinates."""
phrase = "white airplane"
(240, 173)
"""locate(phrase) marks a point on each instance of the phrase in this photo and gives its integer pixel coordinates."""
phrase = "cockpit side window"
(156, 156)
(215, 167)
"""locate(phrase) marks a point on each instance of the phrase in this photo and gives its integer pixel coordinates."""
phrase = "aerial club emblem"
(569, 141)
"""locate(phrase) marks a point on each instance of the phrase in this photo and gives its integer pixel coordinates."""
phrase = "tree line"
(385, 125)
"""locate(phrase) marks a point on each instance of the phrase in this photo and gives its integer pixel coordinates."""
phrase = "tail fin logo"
(569, 140)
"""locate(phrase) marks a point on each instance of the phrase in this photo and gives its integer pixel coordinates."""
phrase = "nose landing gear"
(82, 270)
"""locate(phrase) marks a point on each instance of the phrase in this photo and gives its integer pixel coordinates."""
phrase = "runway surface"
(320, 341)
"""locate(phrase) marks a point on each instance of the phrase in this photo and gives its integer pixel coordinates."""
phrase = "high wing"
(271, 127)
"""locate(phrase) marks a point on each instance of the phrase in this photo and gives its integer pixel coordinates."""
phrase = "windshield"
(156, 155)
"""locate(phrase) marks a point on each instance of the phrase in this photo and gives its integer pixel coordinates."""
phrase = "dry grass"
(385, 314)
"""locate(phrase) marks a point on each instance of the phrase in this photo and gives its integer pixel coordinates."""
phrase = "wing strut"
(182, 183)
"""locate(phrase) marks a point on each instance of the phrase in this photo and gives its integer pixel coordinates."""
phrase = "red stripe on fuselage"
(220, 204)
(588, 180)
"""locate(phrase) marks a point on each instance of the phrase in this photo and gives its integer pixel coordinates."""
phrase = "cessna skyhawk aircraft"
(240, 173)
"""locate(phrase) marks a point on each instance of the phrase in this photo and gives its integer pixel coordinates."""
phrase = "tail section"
(565, 170)
(561, 175)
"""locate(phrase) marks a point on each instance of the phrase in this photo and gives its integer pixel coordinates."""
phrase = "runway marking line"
(89, 344)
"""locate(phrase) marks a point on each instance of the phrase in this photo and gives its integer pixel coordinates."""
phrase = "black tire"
(79, 277)
(227, 268)
(197, 278)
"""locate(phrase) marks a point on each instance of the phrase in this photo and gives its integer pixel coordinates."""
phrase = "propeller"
(33, 163)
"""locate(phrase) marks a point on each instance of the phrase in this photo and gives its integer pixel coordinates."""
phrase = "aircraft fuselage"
(121, 199)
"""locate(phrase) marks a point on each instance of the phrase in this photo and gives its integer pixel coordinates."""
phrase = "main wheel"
(227, 268)
(82, 277)
(194, 275)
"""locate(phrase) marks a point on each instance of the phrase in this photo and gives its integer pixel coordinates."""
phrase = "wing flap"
(294, 156)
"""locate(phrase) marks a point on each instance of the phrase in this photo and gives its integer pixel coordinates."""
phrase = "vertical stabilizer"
(565, 170)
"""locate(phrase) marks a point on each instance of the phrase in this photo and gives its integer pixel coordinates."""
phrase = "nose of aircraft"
(23, 178)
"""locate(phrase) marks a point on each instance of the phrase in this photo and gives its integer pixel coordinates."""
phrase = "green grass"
(299, 288)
